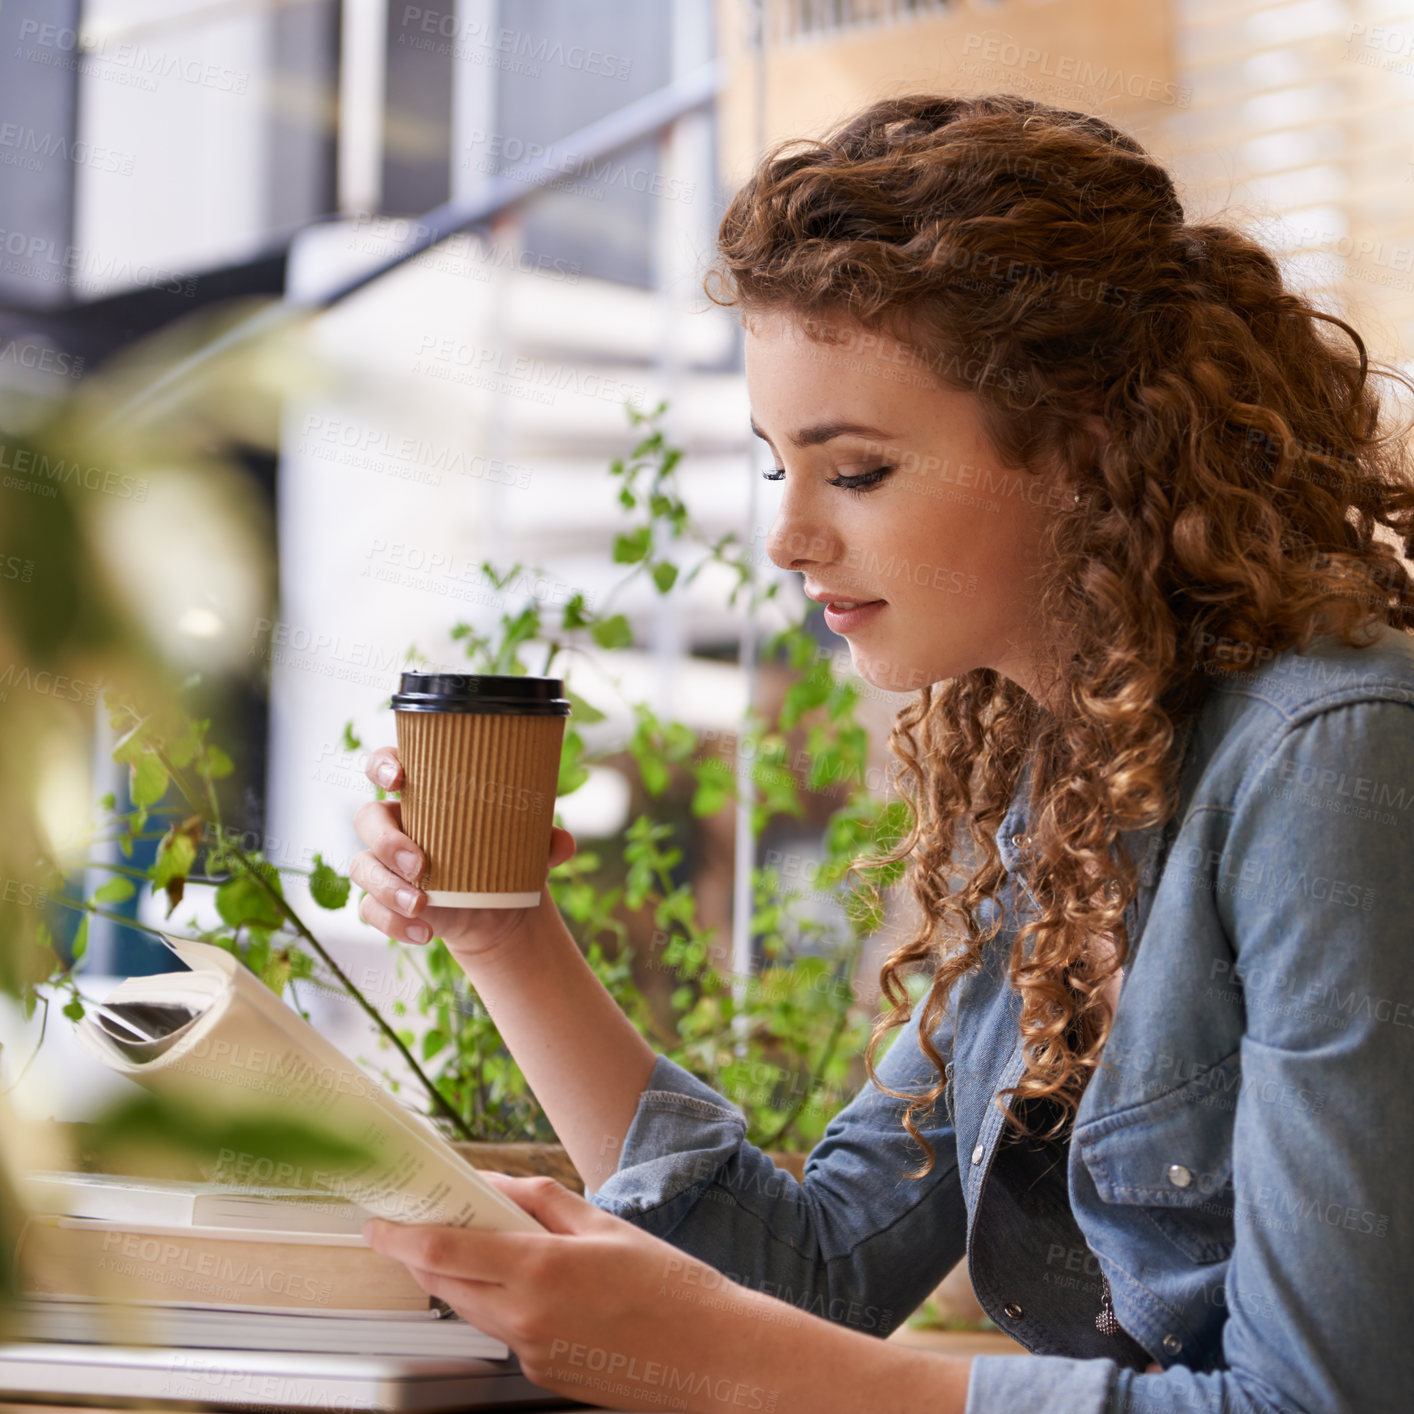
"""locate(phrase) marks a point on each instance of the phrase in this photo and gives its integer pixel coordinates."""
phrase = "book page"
(250, 1052)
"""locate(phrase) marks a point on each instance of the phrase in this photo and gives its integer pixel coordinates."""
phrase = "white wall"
(176, 91)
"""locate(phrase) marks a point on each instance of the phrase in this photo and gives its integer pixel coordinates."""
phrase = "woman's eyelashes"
(858, 484)
(861, 483)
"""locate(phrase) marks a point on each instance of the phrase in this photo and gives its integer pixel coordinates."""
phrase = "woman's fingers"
(391, 889)
(481, 1303)
(549, 1202)
(562, 845)
(378, 823)
(384, 769)
(463, 1253)
(391, 903)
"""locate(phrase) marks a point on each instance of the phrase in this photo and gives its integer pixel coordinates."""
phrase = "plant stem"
(434, 1094)
(115, 868)
(118, 839)
(176, 780)
(97, 912)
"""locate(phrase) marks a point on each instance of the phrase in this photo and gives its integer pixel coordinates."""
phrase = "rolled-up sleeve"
(855, 1242)
(682, 1133)
(1315, 890)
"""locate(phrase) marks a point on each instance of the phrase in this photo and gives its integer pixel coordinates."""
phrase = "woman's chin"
(888, 676)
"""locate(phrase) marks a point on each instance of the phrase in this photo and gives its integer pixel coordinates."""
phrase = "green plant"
(779, 1042)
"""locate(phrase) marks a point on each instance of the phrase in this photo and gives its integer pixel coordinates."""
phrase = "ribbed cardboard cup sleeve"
(478, 799)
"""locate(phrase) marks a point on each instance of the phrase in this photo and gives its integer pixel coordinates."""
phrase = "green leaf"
(242, 901)
(654, 771)
(679, 741)
(327, 887)
(148, 780)
(73, 1009)
(129, 748)
(715, 785)
(585, 713)
(801, 697)
(843, 696)
(175, 856)
(181, 749)
(613, 632)
(108, 802)
(351, 741)
(665, 575)
(435, 1040)
(826, 768)
(80, 943)
(294, 1137)
(276, 971)
(630, 549)
(218, 764)
(116, 890)
(572, 773)
(572, 616)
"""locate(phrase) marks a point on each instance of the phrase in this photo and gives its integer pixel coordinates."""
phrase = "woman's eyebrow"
(827, 432)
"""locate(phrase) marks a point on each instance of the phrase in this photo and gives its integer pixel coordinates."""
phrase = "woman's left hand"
(596, 1308)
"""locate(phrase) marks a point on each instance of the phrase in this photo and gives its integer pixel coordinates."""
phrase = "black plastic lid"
(481, 692)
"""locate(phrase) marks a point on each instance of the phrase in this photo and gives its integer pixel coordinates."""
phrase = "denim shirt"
(1239, 1167)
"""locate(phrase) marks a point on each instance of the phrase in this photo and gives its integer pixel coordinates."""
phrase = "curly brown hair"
(1041, 259)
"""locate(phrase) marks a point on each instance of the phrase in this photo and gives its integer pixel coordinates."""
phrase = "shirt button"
(977, 1155)
(1172, 1343)
(1021, 841)
(1179, 1176)
(1013, 1310)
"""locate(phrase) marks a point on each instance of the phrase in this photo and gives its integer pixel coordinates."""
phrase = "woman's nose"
(793, 549)
(794, 543)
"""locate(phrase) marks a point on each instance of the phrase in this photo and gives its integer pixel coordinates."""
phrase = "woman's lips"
(847, 620)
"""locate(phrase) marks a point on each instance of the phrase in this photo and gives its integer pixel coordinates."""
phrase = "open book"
(216, 1036)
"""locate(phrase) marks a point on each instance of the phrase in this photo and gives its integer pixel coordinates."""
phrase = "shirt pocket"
(1170, 1159)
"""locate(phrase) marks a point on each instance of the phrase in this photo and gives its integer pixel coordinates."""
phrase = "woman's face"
(946, 538)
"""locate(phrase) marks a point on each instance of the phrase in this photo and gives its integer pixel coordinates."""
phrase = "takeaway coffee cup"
(481, 762)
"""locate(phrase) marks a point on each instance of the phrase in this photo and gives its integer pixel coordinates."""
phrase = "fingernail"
(419, 932)
(407, 900)
(408, 864)
(387, 773)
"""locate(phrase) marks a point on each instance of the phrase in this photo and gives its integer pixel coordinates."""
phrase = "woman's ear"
(1099, 432)
(1070, 481)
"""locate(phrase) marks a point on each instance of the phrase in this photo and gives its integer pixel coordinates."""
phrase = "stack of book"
(210, 1266)
(130, 1285)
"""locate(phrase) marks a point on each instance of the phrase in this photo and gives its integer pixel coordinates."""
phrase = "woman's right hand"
(388, 868)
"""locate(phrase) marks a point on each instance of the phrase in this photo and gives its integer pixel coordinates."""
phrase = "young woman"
(1118, 504)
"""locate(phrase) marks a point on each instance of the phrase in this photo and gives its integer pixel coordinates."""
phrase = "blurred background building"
(160, 156)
